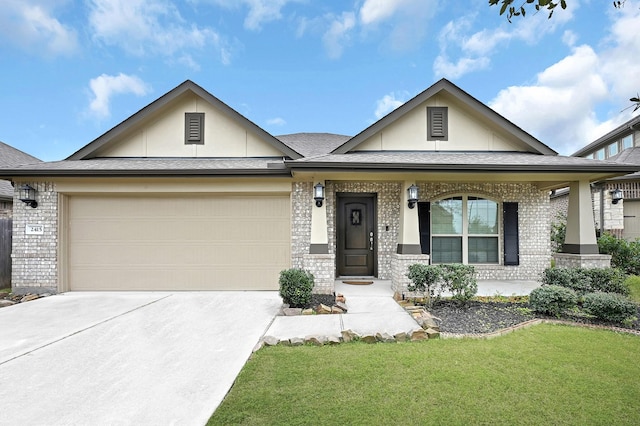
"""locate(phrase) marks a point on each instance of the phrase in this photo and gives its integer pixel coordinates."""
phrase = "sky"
(73, 69)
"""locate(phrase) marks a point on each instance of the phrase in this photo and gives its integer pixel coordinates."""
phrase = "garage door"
(218, 242)
(631, 220)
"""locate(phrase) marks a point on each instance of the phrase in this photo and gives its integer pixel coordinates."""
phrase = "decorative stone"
(419, 335)
(342, 306)
(270, 341)
(385, 338)
(369, 338)
(307, 311)
(333, 340)
(29, 297)
(316, 340)
(340, 298)
(290, 312)
(433, 334)
(5, 303)
(401, 337)
(348, 335)
(336, 310)
(296, 341)
(323, 309)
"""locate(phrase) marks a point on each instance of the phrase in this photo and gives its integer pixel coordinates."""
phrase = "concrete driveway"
(126, 358)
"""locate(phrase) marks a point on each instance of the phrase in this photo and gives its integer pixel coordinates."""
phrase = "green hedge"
(296, 286)
(587, 280)
(609, 306)
(552, 299)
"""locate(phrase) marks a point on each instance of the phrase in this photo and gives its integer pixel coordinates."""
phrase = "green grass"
(5, 290)
(547, 374)
(633, 282)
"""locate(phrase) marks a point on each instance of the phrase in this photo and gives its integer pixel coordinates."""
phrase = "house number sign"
(35, 230)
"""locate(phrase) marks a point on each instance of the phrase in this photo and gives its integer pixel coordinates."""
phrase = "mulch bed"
(487, 317)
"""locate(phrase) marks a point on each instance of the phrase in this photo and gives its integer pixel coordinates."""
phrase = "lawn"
(546, 374)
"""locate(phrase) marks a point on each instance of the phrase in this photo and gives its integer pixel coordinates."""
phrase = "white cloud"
(260, 11)
(143, 27)
(277, 121)
(106, 86)
(473, 51)
(31, 25)
(338, 34)
(389, 102)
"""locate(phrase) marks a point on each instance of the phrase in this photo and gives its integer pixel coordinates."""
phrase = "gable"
(470, 127)
(160, 130)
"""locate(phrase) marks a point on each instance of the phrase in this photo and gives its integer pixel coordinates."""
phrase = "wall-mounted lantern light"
(412, 195)
(28, 196)
(616, 196)
(318, 194)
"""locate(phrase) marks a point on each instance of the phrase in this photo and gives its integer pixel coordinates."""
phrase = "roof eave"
(10, 174)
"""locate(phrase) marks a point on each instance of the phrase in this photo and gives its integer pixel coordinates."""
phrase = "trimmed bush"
(607, 280)
(609, 306)
(574, 278)
(460, 280)
(296, 286)
(424, 279)
(625, 254)
(552, 299)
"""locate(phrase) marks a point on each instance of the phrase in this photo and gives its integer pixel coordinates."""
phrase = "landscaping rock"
(419, 335)
(316, 340)
(333, 340)
(29, 297)
(342, 306)
(340, 298)
(323, 309)
(336, 310)
(289, 312)
(433, 334)
(296, 341)
(385, 338)
(369, 338)
(348, 335)
(401, 337)
(270, 341)
(307, 311)
(5, 303)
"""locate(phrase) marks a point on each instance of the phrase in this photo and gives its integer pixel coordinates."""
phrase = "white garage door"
(631, 220)
(214, 242)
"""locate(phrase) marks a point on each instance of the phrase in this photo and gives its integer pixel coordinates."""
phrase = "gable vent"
(437, 123)
(194, 128)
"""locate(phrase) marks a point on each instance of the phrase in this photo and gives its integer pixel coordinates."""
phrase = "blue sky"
(71, 70)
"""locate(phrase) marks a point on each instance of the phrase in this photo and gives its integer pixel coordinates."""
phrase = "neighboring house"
(9, 157)
(621, 218)
(188, 194)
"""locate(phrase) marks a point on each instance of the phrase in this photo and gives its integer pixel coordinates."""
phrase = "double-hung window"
(464, 229)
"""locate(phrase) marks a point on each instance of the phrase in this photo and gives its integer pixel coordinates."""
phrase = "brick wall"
(35, 267)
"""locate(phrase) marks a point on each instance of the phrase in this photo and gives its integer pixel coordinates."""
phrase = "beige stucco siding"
(466, 132)
(162, 135)
(177, 242)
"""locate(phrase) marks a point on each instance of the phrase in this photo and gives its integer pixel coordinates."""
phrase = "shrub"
(460, 281)
(296, 286)
(558, 232)
(625, 255)
(552, 299)
(574, 278)
(609, 306)
(607, 280)
(424, 279)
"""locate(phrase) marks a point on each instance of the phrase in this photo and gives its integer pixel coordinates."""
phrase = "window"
(599, 154)
(612, 149)
(194, 128)
(627, 142)
(464, 229)
(437, 123)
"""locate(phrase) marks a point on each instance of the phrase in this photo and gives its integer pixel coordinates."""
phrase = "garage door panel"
(190, 243)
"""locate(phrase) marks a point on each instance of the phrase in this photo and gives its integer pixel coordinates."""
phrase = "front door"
(356, 237)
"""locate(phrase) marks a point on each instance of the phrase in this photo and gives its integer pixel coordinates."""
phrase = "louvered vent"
(437, 123)
(194, 128)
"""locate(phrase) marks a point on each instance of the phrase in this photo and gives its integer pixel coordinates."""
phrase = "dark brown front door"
(356, 238)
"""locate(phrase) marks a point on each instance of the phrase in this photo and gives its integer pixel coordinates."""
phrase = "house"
(620, 217)
(188, 194)
(9, 157)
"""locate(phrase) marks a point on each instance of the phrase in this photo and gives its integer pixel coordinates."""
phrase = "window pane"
(446, 250)
(599, 155)
(483, 250)
(627, 142)
(446, 216)
(482, 216)
(613, 149)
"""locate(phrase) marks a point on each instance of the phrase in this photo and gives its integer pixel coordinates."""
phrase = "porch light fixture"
(318, 194)
(412, 195)
(28, 196)
(616, 196)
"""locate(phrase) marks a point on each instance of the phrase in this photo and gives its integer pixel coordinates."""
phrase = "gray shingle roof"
(10, 156)
(629, 156)
(313, 144)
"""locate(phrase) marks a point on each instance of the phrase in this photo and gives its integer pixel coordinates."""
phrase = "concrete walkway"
(372, 310)
(153, 358)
